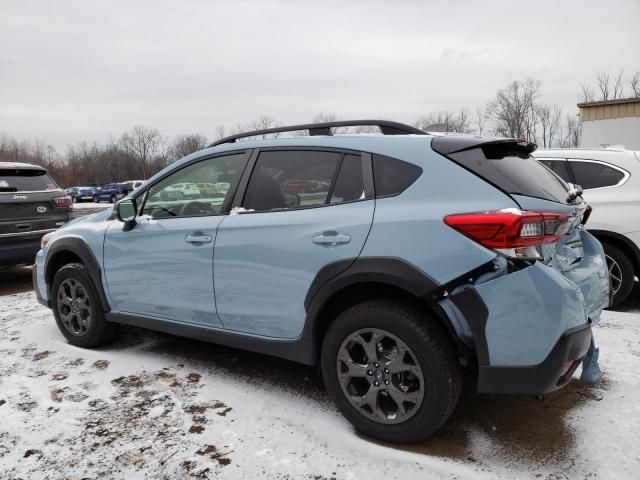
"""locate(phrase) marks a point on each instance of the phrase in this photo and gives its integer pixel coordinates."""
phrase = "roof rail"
(386, 127)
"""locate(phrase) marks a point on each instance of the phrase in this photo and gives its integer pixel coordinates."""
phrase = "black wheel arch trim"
(343, 273)
(80, 249)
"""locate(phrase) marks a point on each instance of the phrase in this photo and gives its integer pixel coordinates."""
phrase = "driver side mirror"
(127, 211)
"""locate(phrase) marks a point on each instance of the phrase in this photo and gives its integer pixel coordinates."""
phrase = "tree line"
(517, 110)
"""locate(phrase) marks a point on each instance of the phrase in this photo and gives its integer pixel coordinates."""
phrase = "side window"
(392, 176)
(199, 189)
(595, 175)
(349, 185)
(291, 179)
(559, 167)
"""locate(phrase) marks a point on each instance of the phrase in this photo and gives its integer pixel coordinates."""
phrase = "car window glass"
(291, 179)
(513, 172)
(392, 176)
(25, 180)
(595, 175)
(559, 167)
(199, 189)
(349, 184)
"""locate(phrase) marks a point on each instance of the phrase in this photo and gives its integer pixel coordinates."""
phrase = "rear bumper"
(553, 373)
(19, 253)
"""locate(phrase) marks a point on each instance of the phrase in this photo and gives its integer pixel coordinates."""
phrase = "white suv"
(610, 179)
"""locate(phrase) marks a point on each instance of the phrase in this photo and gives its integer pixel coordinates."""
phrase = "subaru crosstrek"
(395, 262)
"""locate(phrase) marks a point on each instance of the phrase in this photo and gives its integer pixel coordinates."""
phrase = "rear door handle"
(331, 238)
(198, 237)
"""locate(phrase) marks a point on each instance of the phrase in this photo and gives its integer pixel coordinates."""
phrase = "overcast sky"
(75, 70)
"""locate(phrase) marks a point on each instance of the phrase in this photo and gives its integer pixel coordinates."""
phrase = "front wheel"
(113, 199)
(391, 370)
(95, 200)
(77, 308)
(621, 274)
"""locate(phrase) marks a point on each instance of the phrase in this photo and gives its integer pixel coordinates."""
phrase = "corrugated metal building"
(610, 122)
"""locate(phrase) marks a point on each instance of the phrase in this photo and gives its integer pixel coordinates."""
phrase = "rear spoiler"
(493, 147)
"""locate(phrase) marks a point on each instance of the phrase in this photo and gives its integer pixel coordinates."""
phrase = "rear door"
(302, 210)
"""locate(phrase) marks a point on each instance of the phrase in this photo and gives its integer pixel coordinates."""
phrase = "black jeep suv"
(31, 204)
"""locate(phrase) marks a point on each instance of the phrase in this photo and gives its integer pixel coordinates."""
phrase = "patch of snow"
(156, 406)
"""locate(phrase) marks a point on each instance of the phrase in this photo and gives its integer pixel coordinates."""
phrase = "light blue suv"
(393, 261)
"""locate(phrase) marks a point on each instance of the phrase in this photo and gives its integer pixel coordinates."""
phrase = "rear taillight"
(62, 201)
(513, 233)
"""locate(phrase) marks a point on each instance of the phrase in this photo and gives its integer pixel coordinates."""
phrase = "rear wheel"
(621, 273)
(95, 200)
(392, 372)
(113, 199)
(77, 308)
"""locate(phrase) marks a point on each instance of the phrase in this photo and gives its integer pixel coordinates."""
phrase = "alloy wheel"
(615, 274)
(380, 376)
(74, 307)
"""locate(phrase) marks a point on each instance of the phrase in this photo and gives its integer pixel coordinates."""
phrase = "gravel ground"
(157, 406)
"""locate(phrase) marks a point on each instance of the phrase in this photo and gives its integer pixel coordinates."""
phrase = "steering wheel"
(195, 208)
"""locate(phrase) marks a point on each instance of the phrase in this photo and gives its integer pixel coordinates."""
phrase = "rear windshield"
(26, 180)
(519, 174)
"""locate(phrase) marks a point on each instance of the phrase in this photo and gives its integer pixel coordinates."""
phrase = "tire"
(95, 200)
(432, 363)
(74, 200)
(112, 199)
(97, 331)
(622, 283)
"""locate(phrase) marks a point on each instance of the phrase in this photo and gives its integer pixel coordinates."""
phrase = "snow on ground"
(156, 406)
(91, 206)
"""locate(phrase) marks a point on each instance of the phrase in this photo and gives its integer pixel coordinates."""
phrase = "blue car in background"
(81, 194)
(392, 261)
(112, 192)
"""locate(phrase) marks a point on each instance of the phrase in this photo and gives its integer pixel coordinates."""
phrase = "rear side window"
(392, 176)
(559, 167)
(291, 179)
(595, 175)
(25, 180)
(519, 174)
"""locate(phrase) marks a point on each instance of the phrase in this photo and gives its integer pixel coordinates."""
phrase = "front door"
(305, 210)
(163, 267)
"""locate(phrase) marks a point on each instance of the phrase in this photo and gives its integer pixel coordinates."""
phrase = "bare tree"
(323, 117)
(446, 121)
(549, 116)
(603, 80)
(610, 88)
(618, 86)
(514, 110)
(480, 118)
(586, 93)
(570, 133)
(634, 83)
(184, 145)
(221, 132)
(142, 143)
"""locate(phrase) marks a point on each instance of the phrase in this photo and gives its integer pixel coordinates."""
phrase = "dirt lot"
(158, 406)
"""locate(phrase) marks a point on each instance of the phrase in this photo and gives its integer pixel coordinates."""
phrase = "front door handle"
(331, 238)
(198, 238)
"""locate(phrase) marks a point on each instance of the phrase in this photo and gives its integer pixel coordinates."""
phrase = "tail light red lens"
(62, 201)
(513, 233)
